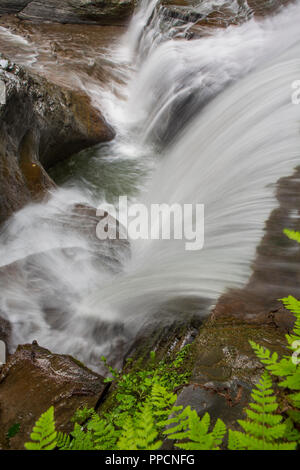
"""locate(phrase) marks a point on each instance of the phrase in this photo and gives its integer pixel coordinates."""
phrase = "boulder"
(104, 12)
(34, 379)
(41, 123)
(225, 368)
(12, 6)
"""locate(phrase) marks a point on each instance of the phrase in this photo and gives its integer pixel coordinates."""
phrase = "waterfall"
(215, 117)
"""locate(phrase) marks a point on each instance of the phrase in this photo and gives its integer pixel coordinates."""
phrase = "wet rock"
(224, 367)
(262, 8)
(182, 13)
(225, 402)
(275, 270)
(70, 55)
(105, 12)
(34, 379)
(204, 17)
(164, 333)
(244, 306)
(40, 124)
(84, 218)
(12, 6)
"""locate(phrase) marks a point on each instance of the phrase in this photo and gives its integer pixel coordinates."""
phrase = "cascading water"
(220, 109)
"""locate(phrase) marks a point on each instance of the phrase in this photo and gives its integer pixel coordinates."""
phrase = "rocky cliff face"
(40, 124)
(103, 12)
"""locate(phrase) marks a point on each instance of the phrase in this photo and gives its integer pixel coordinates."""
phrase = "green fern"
(162, 403)
(104, 433)
(82, 415)
(127, 440)
(287, 368)
(291, 375)
(293, 305)
(140, 432)
(264, 429)
(292, 235)
(63, 441)
(188, 426)
(44, 435)
(279, 368)
(80, 440)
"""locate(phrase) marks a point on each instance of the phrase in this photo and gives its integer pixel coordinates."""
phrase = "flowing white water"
(245, 135)
(26, 55)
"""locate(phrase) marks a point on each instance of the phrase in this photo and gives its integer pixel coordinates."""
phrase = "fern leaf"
(241, 441)
(127, 439)
(219, 432)
(81, 440)
(44, 434)
(263, 430)
(140, 433)
(291, 304)
(188, 426)
(63, 441)
(292, 235)
(104, 433)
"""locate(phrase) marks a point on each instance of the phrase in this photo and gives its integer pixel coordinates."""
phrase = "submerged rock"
(40, 124)
(34, 379)
(103, 12)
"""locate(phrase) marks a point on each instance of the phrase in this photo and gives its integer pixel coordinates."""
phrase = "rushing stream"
(209, 121)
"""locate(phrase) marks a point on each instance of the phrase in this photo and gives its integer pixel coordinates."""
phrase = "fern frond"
(292, 235)
(294, 415)
(162, 404)
(44, 434)
(291, 304)
(81, 439)
(104, 433)
(282, 368)
(189, 426)
(140, 433)
(263, 430)
(127, 438)
(218, 433)
(63, 441)
(240, 441)
(291, 433)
